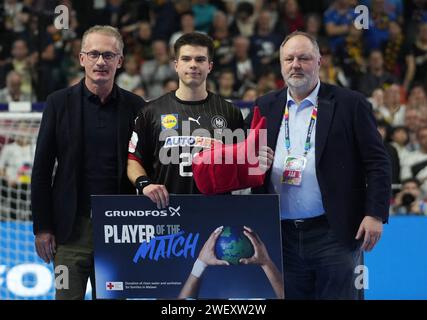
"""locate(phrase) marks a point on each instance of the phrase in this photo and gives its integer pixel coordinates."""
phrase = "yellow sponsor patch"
(169, 121)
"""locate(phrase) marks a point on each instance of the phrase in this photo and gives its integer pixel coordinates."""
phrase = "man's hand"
(158, 194)
(45, 246)
(265, 158)
(372, 229)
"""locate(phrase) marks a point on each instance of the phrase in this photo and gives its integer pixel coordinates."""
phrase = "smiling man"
(170, 128)
(85, 129)
(331, 171)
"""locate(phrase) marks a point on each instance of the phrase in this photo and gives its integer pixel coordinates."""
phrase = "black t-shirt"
(99, 156)
(170, 131)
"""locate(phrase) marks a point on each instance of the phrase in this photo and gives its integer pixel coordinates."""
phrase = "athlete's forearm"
(135, 170)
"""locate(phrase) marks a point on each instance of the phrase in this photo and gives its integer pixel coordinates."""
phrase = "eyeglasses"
(107, 55)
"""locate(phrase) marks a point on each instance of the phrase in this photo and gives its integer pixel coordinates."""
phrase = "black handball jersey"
(169, 131)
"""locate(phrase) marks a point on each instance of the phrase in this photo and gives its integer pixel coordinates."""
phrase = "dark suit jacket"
(352, 166)
(54, 200)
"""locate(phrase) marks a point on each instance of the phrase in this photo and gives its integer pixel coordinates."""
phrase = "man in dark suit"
(85, 129)
(332, 172)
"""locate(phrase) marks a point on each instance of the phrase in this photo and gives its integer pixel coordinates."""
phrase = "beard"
(297, 82)
(302, 84)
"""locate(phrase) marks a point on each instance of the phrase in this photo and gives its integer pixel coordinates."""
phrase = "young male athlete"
(172, 128)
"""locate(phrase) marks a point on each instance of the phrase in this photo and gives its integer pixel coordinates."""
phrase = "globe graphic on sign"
(232, 245)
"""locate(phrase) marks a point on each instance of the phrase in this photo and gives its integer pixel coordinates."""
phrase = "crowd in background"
(387, 62)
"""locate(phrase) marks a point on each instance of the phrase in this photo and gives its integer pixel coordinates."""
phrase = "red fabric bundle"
(213, 174)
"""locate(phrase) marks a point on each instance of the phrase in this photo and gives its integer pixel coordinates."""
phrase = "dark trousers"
(77, 255)
(316, 264)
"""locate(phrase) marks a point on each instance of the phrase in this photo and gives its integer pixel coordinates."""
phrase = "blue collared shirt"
(304, 201)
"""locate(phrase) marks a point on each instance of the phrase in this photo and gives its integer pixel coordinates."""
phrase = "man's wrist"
(378, 218)
(141, 182)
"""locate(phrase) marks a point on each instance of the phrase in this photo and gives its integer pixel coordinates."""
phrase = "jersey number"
(186, 161)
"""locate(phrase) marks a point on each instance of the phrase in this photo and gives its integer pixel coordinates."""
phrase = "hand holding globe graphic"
(232, 245)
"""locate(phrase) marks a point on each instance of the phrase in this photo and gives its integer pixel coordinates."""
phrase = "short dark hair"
(195, 39)
(411, 180)
(403, 128)
(381, 123)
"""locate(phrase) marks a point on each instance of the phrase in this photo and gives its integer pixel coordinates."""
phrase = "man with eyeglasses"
(85, 129)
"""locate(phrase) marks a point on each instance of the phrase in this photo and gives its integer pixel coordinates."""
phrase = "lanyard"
(307, 144)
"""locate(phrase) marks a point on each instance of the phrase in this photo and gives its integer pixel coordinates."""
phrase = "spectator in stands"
(330, 72)
(226, 83)
(222, 41)
(155, 71)
(12, 92)
(399, 140)
(384, 129)
(244, 20)
(377, 33)
(170, 85)
(416, 164)
(248, 99)
(377, 76)
(409, 200)
(351, 55)
(337, 20)
(143, 47)
(397, 55)
(70, 67)
(265, 44)
(130, 79)
(266, 82)
(249, 94)
(187, 26)
(377, 99)
(417, 96)
(419, 54)
(313, 26)
(423, 116)
(204, 13)
(170, 12)
(242, 63)
(114, 13)
(415, 14)
(412, 123)
(103, 114)
(17, 15)
(23, 63)
(136, 12)
(44, 55)
(392, 111)
(290, 19)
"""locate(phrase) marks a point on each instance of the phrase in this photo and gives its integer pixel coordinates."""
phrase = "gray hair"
(107, 30)
(304, 34)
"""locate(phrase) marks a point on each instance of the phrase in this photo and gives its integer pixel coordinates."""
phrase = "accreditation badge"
(294, 167)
